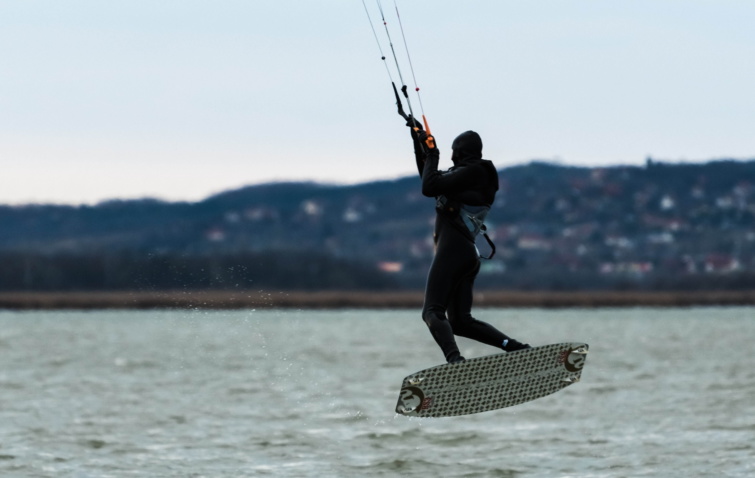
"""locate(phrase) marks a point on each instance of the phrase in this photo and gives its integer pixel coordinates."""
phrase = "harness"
(473, 218)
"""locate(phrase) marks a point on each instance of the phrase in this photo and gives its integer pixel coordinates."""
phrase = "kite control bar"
(430, 141)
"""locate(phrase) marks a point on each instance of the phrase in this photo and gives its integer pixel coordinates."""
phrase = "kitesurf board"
(489, 383)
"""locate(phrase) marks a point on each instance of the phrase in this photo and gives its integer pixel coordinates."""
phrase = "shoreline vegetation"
(223, 299)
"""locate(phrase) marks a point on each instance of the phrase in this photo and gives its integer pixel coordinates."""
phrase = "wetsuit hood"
(467, 146)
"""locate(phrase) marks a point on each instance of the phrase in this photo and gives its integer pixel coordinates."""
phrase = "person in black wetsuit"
(463, 194)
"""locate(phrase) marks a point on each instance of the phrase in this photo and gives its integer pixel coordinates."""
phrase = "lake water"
(665, 393)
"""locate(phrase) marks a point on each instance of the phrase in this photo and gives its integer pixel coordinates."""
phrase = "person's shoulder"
(488, 165)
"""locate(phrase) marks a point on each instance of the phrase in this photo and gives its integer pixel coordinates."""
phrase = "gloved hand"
(413, 123)
(427, 139)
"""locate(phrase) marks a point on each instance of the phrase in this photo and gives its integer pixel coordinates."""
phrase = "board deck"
(492, 382)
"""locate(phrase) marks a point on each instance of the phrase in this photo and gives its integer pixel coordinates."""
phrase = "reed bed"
(221, 299)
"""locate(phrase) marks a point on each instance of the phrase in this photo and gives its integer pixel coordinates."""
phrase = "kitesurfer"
(463, 194)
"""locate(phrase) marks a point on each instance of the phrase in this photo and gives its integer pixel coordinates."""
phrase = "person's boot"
(443, 334)
(456, 359)
(511, 345)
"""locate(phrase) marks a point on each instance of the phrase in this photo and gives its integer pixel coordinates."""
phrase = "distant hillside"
(556, 227)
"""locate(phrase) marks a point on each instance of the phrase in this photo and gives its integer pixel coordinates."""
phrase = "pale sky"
(180, 99)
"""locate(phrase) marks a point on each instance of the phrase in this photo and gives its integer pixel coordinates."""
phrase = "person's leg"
(460, 314)
(440, 284)
(464, 325)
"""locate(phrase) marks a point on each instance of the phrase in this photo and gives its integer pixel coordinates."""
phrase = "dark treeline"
(275, 270)
(556, 279)
(280, 270)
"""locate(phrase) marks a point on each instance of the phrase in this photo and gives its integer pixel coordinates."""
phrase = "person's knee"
(432, 315)
(461, 323)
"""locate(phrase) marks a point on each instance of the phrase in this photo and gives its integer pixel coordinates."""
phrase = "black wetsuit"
(472, 181)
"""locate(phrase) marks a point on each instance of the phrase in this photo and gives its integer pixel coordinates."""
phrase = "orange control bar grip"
(430, 141)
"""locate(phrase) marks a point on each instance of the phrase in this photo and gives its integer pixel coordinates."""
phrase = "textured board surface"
(488, 383)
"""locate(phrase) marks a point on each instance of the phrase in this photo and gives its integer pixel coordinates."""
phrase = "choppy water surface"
(666, 393)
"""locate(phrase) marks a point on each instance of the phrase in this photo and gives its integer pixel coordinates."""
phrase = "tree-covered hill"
(556, 227)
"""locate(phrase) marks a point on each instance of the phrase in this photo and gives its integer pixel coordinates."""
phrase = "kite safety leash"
(430, 143)
(484, 231)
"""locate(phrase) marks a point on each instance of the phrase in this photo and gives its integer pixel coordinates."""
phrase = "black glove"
(413, 123)
(427, 139)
